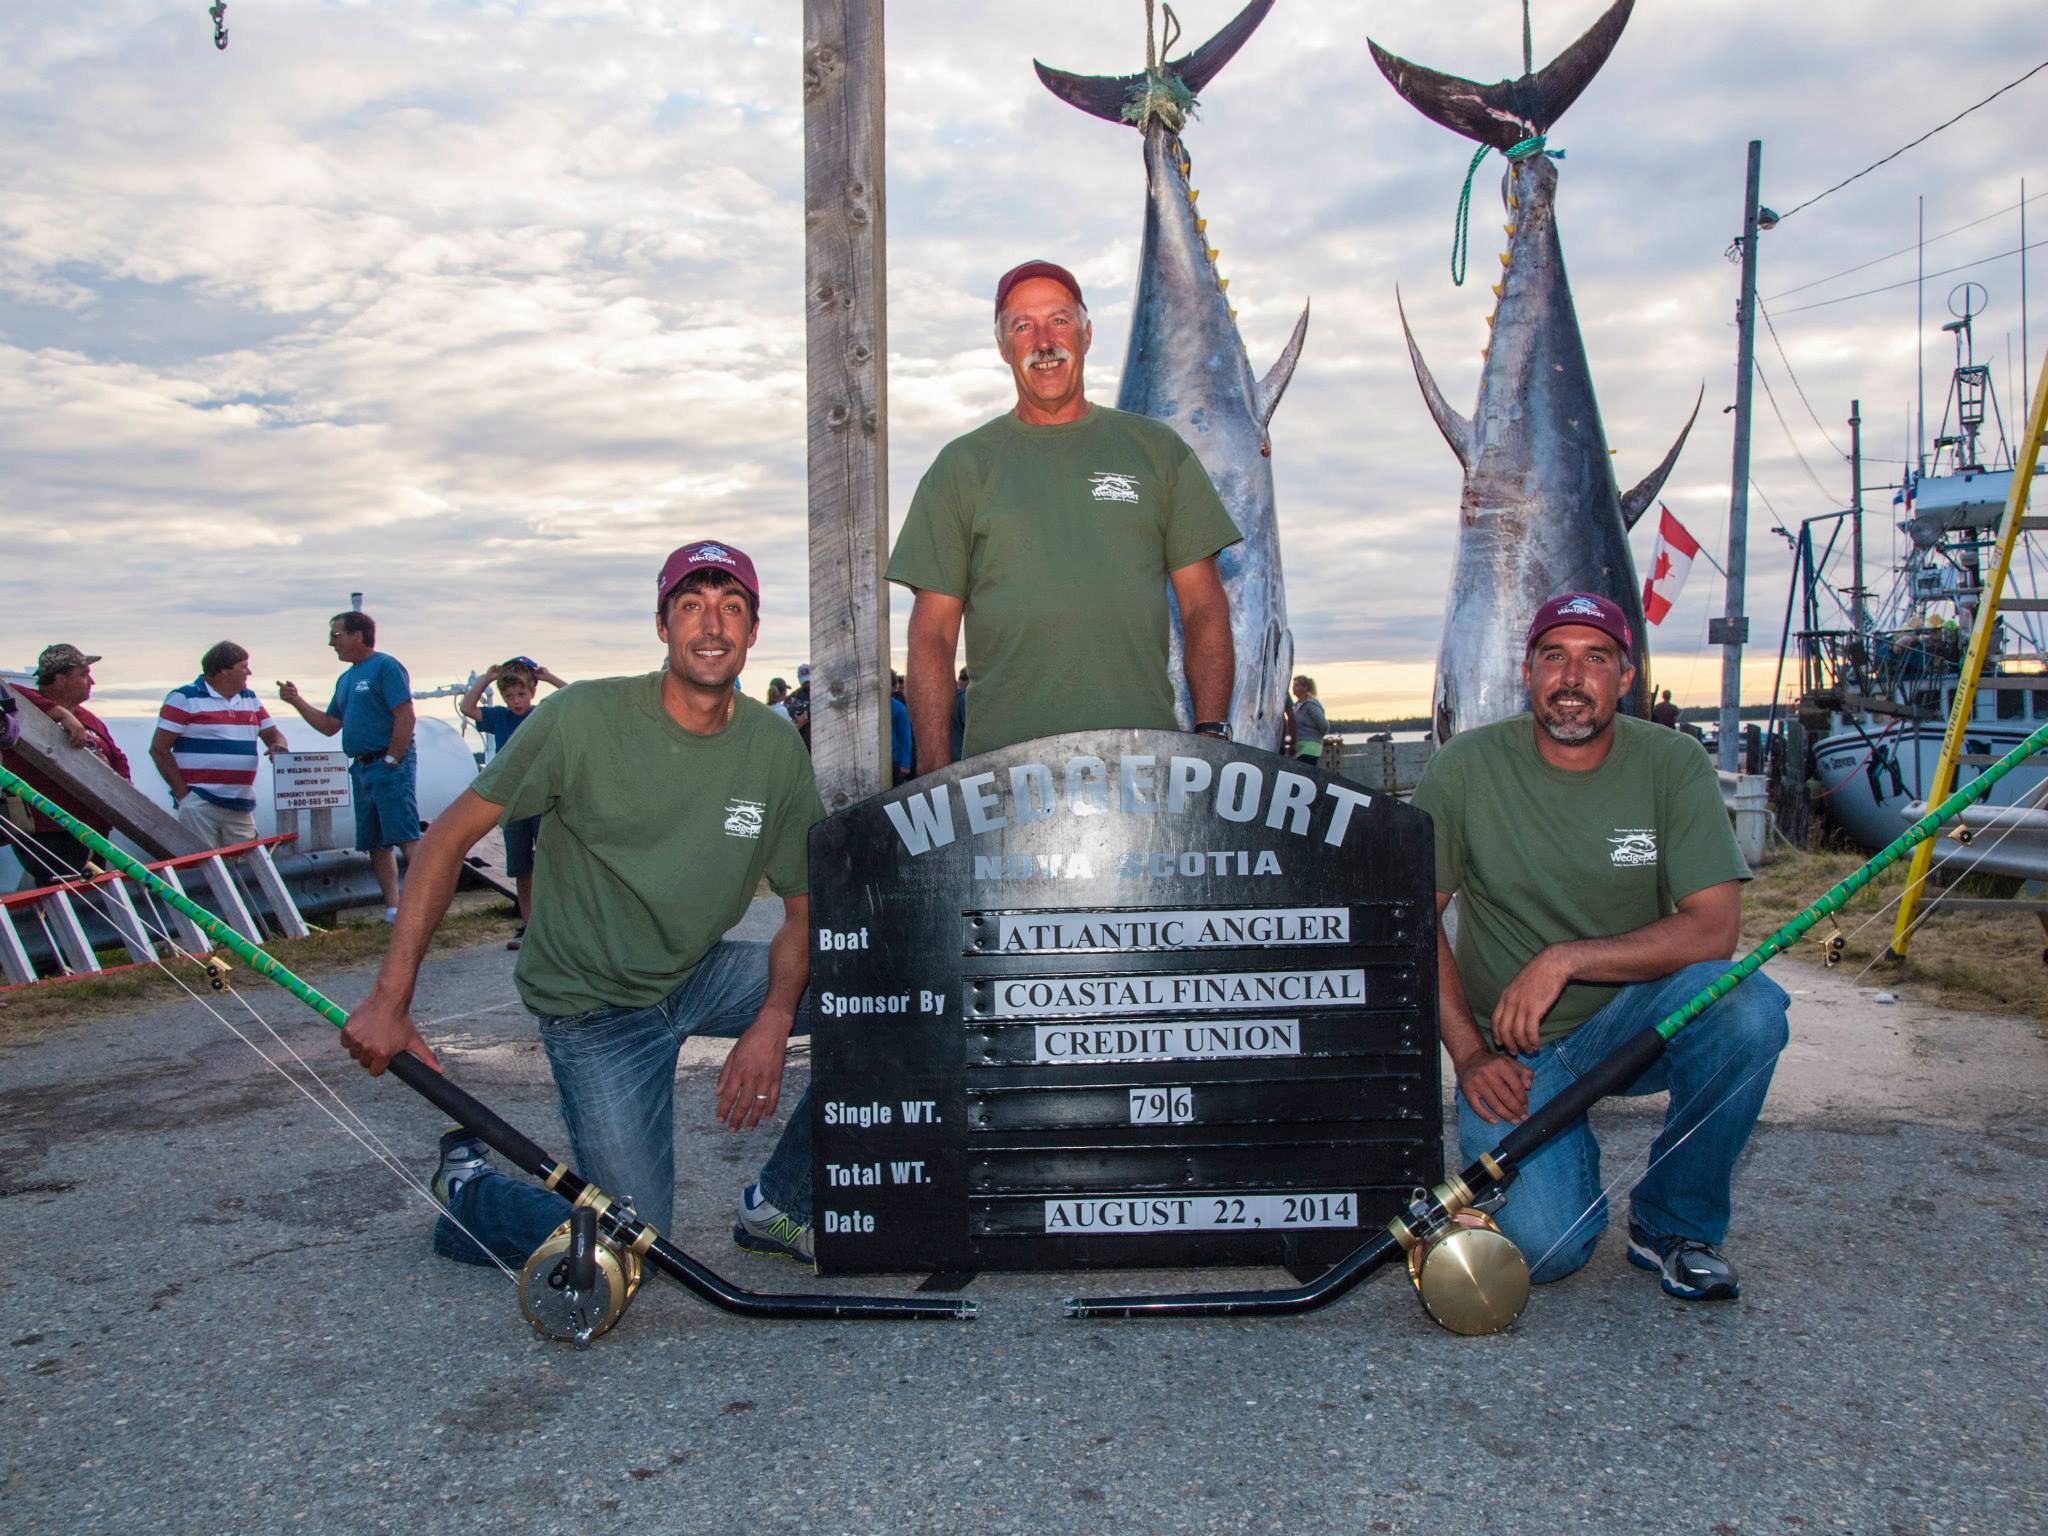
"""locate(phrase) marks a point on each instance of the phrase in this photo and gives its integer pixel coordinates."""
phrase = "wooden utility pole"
(847, 349)
(1732, 628)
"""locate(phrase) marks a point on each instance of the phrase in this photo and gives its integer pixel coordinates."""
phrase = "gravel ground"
(222, 1311)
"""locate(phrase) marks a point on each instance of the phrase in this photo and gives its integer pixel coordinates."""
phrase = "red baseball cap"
(1031, 269)
(707, 555)
(1587, 608)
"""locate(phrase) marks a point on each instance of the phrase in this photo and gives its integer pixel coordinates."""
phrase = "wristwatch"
(1217, 728)
(390, 761)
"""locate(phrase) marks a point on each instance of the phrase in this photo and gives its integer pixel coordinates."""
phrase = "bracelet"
(1217, 728)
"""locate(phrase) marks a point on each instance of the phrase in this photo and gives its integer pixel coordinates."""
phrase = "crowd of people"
(1597, 875)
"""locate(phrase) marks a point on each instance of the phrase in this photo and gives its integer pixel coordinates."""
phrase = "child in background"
(518, 681)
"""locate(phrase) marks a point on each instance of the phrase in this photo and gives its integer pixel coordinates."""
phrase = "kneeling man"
(1598, 887)
(666, 799)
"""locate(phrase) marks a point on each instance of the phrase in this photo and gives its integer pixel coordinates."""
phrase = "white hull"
(1872, 807)
(446, 766)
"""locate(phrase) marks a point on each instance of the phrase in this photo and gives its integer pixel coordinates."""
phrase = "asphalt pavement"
(223, 1313)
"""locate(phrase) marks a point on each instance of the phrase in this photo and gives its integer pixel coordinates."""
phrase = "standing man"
(205, 747)
(372, 710)
(902, 758)
(1599, 887)
(1664, 712)
(64, 682)
(1053, 533)
(665, 799)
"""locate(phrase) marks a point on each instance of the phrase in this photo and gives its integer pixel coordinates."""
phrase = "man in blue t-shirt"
(518, 681)
(372, 712)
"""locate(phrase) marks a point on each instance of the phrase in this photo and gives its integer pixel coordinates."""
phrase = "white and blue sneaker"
(763, 1227)
(463, 1157)
(1688, 1268)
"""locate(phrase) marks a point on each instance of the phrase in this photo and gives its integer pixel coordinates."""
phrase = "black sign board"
(1120, 998)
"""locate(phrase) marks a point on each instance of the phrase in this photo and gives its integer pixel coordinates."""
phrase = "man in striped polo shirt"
(205, 747)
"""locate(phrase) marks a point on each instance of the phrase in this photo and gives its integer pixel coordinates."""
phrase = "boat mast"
(1856, 611)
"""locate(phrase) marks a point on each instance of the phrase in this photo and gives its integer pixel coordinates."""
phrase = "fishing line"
(366, 1136)
(1630, 1176)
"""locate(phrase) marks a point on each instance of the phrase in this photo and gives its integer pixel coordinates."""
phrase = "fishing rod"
(577, 1283)
(1470, 1276)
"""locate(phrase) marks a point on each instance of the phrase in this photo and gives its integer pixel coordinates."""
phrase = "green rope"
(1838, 896)
(256, 959)
(1461, 235)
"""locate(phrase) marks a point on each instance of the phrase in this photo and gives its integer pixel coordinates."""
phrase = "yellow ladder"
(2014, 522)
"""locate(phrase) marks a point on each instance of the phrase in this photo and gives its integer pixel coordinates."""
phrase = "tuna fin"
(1456, 429)
(1637, 501)
(1105, 96)
(1509, 111)
(1274, 384)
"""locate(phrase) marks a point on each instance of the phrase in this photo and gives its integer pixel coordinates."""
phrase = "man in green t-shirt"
(1053, 533)
(1598, 889)
(666, 799)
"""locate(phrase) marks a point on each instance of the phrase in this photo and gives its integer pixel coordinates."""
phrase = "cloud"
(479, 309)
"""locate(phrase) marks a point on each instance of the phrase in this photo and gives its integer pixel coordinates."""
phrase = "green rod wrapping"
(257, 959)
(1836, 897)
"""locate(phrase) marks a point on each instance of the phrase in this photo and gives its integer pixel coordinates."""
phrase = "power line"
(1930, 133)
(1786, 427)
(1910, 281)
(1795, 380)
(1905, 250)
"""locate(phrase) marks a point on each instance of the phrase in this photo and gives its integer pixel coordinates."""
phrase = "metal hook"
(219, 12)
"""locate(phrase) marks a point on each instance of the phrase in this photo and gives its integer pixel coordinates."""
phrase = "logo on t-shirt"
(743, 818)
(1632, 846)
(1110, 486)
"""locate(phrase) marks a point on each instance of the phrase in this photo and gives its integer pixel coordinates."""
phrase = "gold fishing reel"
(577, 1283)
(1471, 1277)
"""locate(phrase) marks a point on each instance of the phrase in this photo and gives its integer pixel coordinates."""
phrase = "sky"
(480, 308)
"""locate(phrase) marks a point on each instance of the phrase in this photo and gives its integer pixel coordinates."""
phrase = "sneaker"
(762, 1227)
(1689, 1269)
(518, 934)
(463, 1157)
(390, 914)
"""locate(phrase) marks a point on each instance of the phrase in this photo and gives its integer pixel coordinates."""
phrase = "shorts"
(519, 838)
(386, 812)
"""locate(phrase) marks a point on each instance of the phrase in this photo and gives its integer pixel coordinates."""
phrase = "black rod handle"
(466, 1109)
(1620, 1067)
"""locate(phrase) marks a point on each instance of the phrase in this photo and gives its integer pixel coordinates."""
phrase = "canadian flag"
(1669, 567)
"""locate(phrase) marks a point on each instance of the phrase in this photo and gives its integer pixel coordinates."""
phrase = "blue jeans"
(1717, 1071)
(615, 1069)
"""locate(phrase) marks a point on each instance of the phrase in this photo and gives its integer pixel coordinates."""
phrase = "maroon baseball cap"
(708, 555)
(1031, 269)
(1587, 608)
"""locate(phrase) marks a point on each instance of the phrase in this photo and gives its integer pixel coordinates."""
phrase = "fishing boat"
(1877, 681)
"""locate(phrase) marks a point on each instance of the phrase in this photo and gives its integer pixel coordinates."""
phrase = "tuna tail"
(1506, 113)
(1637, 501)
(1106, 96)
(1456, 429)
(1274, 384)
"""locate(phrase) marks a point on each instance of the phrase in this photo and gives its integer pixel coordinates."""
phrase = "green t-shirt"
(654, 841)
(1059, 540)
(1538, 855)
